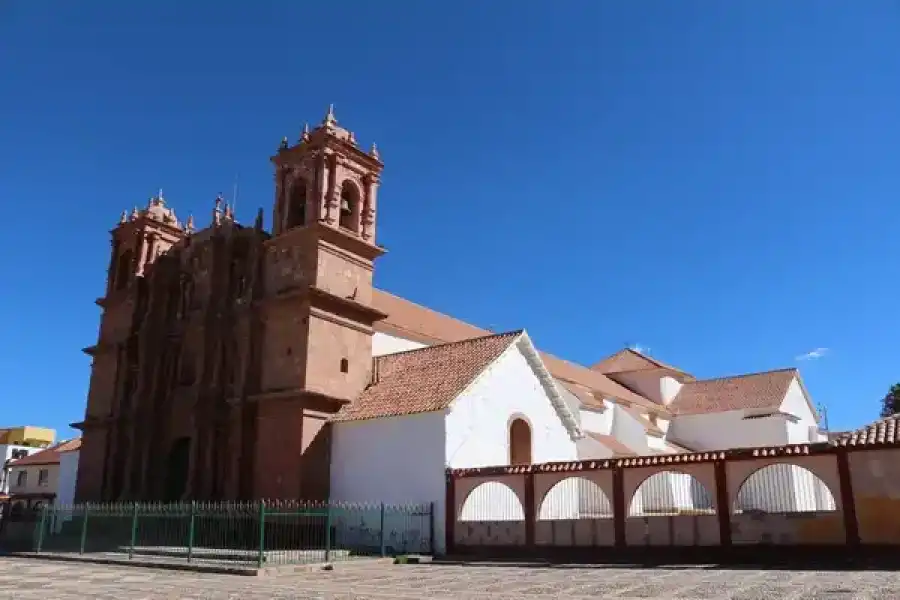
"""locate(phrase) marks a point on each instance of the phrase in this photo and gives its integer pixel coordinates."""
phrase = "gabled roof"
(415, 322)
(426, 379)
(755, 391)
(627, 360)
(884, 431)
(48, 456)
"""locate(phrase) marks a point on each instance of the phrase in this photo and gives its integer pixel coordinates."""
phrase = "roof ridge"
(743, 375)
(458, 342)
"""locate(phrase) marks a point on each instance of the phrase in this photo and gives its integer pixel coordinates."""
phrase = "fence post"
(530, 513)
(84, 524)
(328, 532)
(450, 514)
(431, 527)
(134, 529)
(619, 508)
(381, 534)
(41, 526)
(723, 506)
(848, 499)
(190, 541)
(262, 534)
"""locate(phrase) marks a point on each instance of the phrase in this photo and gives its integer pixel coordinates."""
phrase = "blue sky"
(717, 181)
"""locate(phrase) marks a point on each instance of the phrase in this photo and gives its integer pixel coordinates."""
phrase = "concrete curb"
(145, 563)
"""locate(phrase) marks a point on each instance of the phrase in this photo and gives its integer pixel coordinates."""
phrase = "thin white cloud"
(813, 354)
(640, 348)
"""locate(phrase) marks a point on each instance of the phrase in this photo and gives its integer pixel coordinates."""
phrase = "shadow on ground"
(736, 558)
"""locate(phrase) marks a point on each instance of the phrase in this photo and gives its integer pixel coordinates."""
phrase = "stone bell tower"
(316, 310)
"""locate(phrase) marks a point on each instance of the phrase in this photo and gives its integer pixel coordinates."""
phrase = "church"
(234, 362)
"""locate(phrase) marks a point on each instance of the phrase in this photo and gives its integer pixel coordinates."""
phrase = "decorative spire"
(217, 211)
(374, 151)
(304, 137)
(351, 138)
(159, 198)
(124, 218)
(330, 120)
(134, 213)
(229, 212)
(189, 226)
(259, 220)
(284, 143)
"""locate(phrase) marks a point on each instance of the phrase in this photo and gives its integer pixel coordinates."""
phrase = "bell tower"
(316, 308)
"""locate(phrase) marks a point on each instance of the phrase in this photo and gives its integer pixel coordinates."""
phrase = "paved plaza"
(30, 579)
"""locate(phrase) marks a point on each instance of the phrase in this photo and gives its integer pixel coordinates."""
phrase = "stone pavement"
(32, 579)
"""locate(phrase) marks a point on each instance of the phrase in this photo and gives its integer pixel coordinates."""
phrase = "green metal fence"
(248, 533)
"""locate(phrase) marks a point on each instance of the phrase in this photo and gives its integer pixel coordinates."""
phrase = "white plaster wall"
(728, 429)
(394, 460)
(6, 451)
(595, 421)
(478, 421)
(803, 430)
(669, 387)
(68, 473)
(588, 448)
(382, 344)
(629, 430)
(646, 383)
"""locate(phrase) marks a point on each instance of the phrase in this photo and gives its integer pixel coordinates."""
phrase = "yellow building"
(35, 437)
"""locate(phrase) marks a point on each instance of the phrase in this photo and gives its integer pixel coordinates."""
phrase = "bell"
(345, 205)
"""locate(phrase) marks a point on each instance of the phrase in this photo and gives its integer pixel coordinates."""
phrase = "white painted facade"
(472, 432)
(68, 473)
(7, 453)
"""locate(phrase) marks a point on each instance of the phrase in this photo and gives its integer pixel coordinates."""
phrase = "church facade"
(237, 363)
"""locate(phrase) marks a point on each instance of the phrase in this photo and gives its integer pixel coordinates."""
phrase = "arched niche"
(349, 209)
(784, 488)
(671, 492)
(520, 442)
(574, 498)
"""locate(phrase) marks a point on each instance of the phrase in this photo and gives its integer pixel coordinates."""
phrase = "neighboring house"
(39, 478)
(19, 442)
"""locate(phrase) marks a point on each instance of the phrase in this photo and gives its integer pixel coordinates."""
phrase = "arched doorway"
(177, 467)
(519, 442)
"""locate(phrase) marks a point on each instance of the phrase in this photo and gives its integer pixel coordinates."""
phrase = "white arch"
(671, 492)
(575, 498)
(492, 501)
(784, 488)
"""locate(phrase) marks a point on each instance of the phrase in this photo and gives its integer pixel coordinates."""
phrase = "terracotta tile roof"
(415, 322)
(884, 431)
(426, 379)
(611, 442)
(626, 360)
(756, 391)
(48, 456)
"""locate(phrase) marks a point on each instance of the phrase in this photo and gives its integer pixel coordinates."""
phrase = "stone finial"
(351, 137)
(284, 144)
(159, 198)
(229, 212)
(374, 151)
(259, 220)
(304, 137)
(123, 218)
(134, 213)
(189, 226)
(330, 119)
(217, 211)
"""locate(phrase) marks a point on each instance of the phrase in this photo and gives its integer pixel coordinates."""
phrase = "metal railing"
(264, 533)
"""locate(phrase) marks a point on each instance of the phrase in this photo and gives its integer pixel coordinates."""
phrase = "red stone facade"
(223, 352)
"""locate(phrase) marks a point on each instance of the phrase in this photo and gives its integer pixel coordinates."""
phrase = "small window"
(17, 454)
(22, 479)
(345, 365)
(44, 477)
